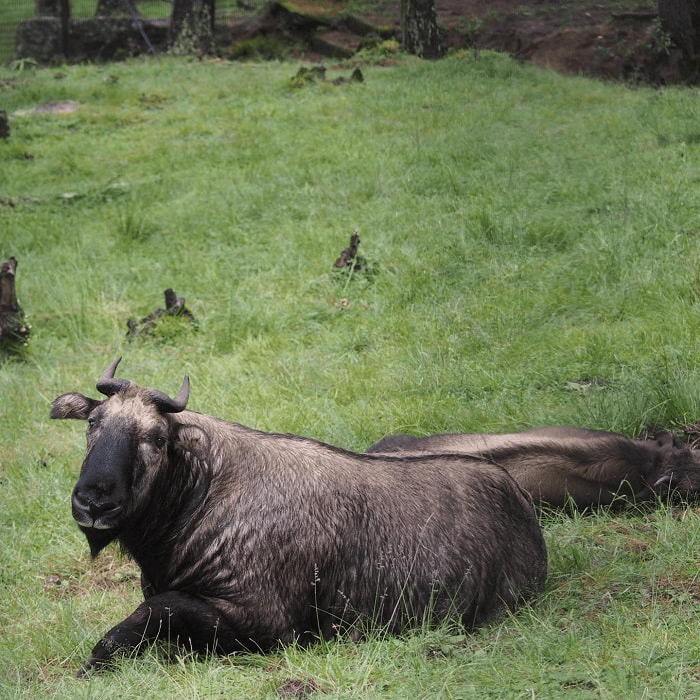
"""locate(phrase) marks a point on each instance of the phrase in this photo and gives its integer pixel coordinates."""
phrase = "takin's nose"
(100, 514)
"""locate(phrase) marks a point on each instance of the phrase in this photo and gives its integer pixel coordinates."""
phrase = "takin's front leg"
(181, 619)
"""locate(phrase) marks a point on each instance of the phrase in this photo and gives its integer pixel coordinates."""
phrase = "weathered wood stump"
(14, 329)
(349, 257)
(4, 125)
(174, 306)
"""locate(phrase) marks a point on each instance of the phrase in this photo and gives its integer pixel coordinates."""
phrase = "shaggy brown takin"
(248, 539)
(563, 467)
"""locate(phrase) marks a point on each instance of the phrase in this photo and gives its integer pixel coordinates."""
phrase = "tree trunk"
(192, 27)
(60, 9)
(681, 19)
(47, 8)
(419, 30)
(64, 42)
(111, 8)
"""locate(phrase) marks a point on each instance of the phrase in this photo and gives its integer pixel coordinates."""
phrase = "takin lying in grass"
(571, 467)
(247, 540)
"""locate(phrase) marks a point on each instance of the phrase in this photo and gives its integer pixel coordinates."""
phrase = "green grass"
(534, 250)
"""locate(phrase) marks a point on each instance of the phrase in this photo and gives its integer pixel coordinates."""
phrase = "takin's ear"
(73, 406)
(192, 439)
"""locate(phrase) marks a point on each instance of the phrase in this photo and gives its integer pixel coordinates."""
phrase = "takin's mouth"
(98, 516)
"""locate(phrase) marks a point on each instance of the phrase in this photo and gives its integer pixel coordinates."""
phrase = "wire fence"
(14, 12)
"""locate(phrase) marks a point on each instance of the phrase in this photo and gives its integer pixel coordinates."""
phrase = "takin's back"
(563, 466)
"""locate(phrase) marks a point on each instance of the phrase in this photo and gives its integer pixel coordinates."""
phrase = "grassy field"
(532, 248)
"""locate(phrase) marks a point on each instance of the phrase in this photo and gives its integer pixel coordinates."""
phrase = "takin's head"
(127, 441)
(678, 470)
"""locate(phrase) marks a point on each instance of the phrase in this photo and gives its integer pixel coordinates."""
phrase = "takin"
(566, 467)
(247, 540)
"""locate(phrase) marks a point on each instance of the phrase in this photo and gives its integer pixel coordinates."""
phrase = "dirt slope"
(614, 41)
(609, 41)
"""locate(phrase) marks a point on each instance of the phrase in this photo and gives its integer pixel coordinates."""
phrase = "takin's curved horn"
(107, 384)
(167, 405)
(665, 479)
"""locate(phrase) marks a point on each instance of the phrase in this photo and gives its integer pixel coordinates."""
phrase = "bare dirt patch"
(607, 41)
(611, 41)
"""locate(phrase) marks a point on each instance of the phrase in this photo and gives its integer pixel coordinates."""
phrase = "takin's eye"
(160, 441)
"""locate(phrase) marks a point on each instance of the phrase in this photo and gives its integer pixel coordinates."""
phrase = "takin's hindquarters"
(565, 467)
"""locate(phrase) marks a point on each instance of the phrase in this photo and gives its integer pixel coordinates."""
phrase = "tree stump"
(148, 326)
(349, 256)
(4, 125)
(14, 330)
(350, 265)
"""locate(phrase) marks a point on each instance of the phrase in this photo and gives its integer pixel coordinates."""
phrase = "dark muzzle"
(101, 515)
